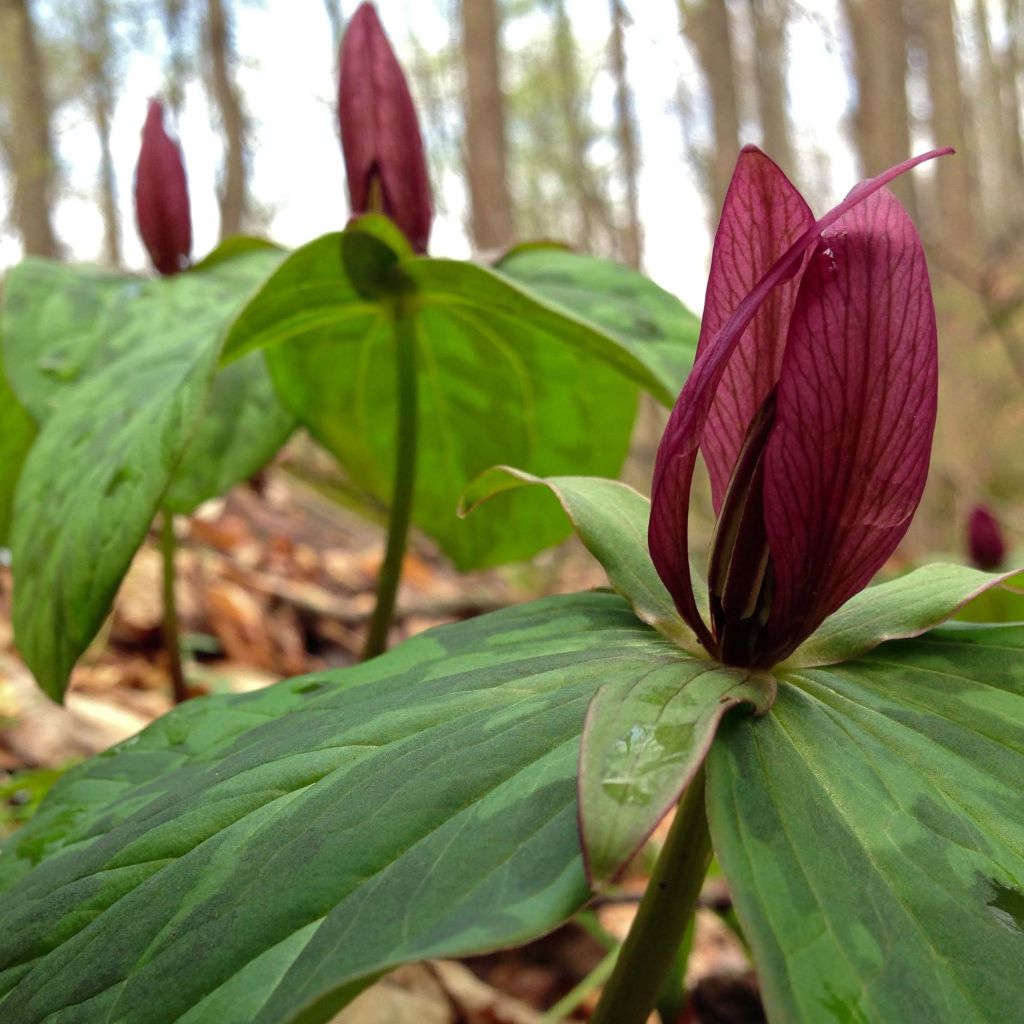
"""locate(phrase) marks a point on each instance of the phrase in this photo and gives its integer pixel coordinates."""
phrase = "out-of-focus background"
(609, 125)
(612, 125)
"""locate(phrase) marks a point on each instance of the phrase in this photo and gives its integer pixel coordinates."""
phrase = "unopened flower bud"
(985, 539)
(380, 135)
(161, 196)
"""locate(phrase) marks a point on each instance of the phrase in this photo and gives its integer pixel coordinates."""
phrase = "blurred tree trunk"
(625, 131)
(881, 119)
(337, 21)
(233, 194)
(768, 24)
(491, 221)
(177, 67)
(28, 139)
(572, 96)
(955, 224)
(706, 24)
(97, 60)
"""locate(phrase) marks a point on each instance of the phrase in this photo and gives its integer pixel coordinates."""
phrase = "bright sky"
(288, 84)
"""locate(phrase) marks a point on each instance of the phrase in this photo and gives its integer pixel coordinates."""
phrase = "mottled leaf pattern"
(112, 441)
(847, 458)
(305, 838)
(872, 831)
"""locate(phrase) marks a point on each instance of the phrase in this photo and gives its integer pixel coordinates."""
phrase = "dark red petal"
(848, 455)
(673, 469)
(161, 196)
(762, 216)
(380, 134)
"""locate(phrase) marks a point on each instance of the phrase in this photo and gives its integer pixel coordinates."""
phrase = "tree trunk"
(491, 220)
(29, 139)
(953, 178)
(177, 66)
(233, 194)
(98, 54)
(625, 131)
(591, 209)
(706, 24)
(881, 118)
(768, 24)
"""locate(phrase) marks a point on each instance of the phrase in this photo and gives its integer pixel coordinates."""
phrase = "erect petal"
(847, 458)
(161, 196)
(762, 216)
(380, 134)
(668, 531)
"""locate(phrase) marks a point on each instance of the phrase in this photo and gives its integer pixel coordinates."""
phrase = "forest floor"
(275, 581)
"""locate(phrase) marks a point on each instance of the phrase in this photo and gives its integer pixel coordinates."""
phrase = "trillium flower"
(985, 539)
(812, 400)
(380, 135)
(161, 196)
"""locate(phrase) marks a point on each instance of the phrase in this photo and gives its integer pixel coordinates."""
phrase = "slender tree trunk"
(706, 24)
(589, 203)
(29, 138)
(936, 30)
(881, 118)
(491, 217)
(1009, 67)
(176, 70)
(625, 131)
(98, 56)
(768, 24)
(234, 192)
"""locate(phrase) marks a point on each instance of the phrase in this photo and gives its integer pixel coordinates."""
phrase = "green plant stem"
(664, 913)
(574, 998)
(172, 636)
(402, 492)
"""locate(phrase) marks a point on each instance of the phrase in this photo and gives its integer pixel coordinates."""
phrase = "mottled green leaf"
(643, 742)
(61, 323)
(243, 426)
(901, 608)
(648, 320)
(502, 378)
(17, 432)
(107, 451)
(611, 520)
(871, 828)
(260, 858)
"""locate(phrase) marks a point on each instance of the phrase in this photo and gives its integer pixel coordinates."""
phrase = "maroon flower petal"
(668, 531)
(161, 196)
(848, 455)
(762, 216)
(380, 134)
(985, 538)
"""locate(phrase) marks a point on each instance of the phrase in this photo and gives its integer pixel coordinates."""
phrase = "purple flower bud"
(985, 539)
(380, 135)
(161, 196)
(812, 399)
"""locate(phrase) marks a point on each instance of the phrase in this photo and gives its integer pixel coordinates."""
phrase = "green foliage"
(120, 375)
(502, 377)
(872, 830)
(312, 835)
(646, 319)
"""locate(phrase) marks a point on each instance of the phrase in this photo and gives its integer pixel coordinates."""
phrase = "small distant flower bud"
(380, 135)
(985, 539)
(161, 196)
